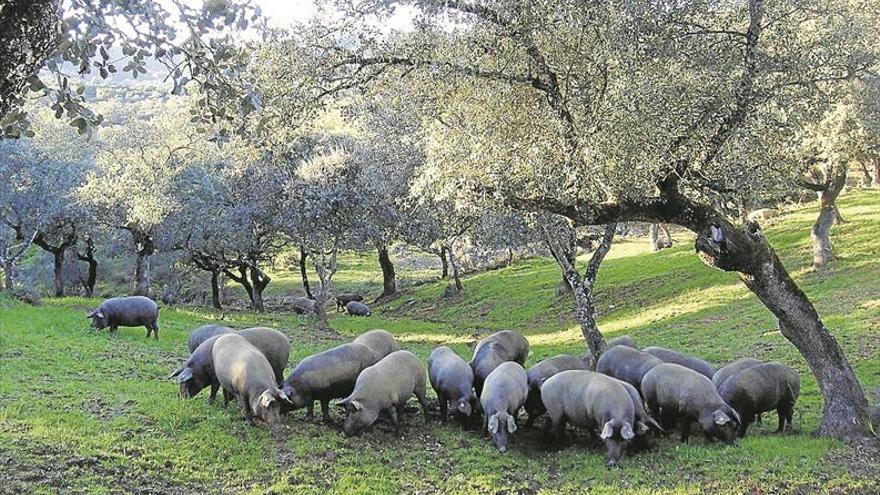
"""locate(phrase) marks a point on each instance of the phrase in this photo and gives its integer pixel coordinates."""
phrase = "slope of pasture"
(88, 412)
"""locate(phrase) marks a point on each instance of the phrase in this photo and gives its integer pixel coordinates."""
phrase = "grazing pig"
(453, 381)
(342, 300)
(495, 349)
(674, 392)
(644, 421)
(131, 311)
(539, 373)
(355, 308)
(505, 392)
(273, 344)
(203, 333)
(303, 305)
(731, 369)
(627, 364)
(625, 340)
(669, 356)
(244, 373)
(330, 374)
(594, 401)
(760, 388)
(385, 386)
(198, 371)
(379, 341)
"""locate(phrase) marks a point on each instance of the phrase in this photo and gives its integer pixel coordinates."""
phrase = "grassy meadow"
(88, 412)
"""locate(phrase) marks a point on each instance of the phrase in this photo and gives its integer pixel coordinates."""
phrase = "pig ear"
(721, 418)
(342, 403)
(176, 372)
(641, 428)
(655, 425)
(266, 399)
(626, 431)
(493, 423)
(94, 313)
(283, 396)
(357, 405)
(185, 375)
(607, 431)
(511, 424)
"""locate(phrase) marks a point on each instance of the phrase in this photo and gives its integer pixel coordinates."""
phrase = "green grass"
(87, 412)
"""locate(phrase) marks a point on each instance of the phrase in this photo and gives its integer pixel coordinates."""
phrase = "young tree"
(541, 94)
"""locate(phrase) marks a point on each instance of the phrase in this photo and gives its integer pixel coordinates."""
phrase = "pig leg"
(213, 396)
(559, 430)
(423, 401)
(394, 412)
(156, 330)
(444, 407)
(226, 397)
(784, 412)
(325, 410)
(149, 329)
(685, 425)
(113, 328)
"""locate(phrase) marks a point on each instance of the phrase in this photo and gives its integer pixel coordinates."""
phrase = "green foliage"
(100, 409)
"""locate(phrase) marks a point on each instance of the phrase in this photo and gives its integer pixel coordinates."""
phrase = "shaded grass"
(99, 408)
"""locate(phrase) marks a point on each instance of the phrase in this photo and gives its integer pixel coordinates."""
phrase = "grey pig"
(701, 366)
(244, 373)
(131, 311)
(198, 371)
(624, 340)
(495, 349)
(539, 373)
(760, 388)
(303, 305)
(273, 344)
(505, 392)
(379, 341)
(203, 333)
(330, 374)
(594, 401)
(675, 393)
(627, 364)
(731, 369)
(385, 386)
(453, 381)
(355, 308)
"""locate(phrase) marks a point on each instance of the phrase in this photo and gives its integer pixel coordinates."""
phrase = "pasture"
(88, 412)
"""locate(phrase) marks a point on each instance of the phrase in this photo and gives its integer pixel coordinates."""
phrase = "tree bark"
(877, 172)
(58, 268)
(867, 179)
(304, 273)
(57, 251)
(142, 280)
(660, 238)
(455, 271)
(215, 289)
(89, 257)
(820, 234)
(259, 281)
(389, 282)
(9, 272)
(242, 278)
(443, 260)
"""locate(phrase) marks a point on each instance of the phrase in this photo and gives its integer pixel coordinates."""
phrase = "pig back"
(130, 311)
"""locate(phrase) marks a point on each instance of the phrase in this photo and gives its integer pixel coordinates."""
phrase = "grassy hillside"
(88, 412)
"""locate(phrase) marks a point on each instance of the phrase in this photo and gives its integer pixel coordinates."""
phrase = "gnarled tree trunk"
(660, 237)
(92, 275)
(820, 234)
(259, 281)
(445, 262)
(144, 249)
(389, 281)
(456, 276)
(303, 254)
(57, 251)
(215, 289)
(9, 273)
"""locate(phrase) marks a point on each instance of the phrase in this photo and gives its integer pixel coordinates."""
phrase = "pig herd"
(632, 394)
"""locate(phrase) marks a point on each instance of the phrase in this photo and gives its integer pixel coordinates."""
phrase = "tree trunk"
(445, 263)
(58, 269)
(455, 272)
(877, 172)
(389, 282)
(820, 234)
(304, 273)
(509, 257)
(660, 238)
(259, 281)
(242, 278)
(142, 279)
(866, 179)
(746, 250)
(9, 272)
(92, 277)
(215, 289)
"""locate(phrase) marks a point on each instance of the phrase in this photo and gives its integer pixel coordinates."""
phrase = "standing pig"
(594, 401)
(674, 392)
(504, 393)
(355, 308)
(731, 369)
(131, 311)
(495, 349)
(624, 340)
(627, 364)
(327, 375)
(386, 385)
(760, 388)
(198, 371)
(244, 373)
(203, 333)
(273, 344)
(669, 356)
(453, 381)
(379, 341)
(539, 373)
